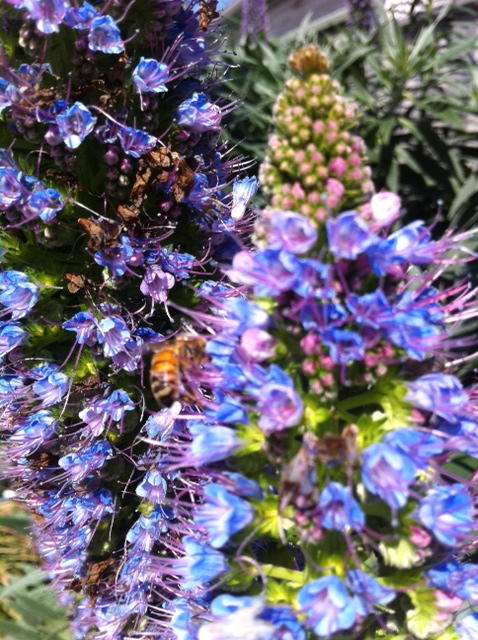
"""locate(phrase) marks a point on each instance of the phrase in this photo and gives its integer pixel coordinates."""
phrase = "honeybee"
(170, 366)
(334, 450)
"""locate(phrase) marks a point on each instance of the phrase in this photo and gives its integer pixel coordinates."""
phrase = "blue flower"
(241, 485)
(34, 431)
(113, 333)
(201, 564)
(387, 473)
(242, 193)
(105, 36)
(7, 91)
(82, 463)
(222, 515)
(270, 272)
(81, 18)
(458, 579)
(84, 324)
(292, 232)
(418, 446)
(147, 530)
(12, 335)
(119, 402)
(19, 295)
(467, 627)
(45, 204)
(327, 605)
(75, 124)
(348, 235)
(198, 114)
(448, 513)
(47, 14)
(150, 76)
(438, 393)
(367, 592)
(152, 487)
(343, 345)
(136, 142)
(51, 386)
(179, 264)
(211, 444)
(339, 508)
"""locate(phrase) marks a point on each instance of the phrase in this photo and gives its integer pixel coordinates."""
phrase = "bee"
(334, 450)
(170, 367)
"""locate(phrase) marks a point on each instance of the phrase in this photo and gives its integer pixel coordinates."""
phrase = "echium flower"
(323, 388)
(114, 211)
(314, 165)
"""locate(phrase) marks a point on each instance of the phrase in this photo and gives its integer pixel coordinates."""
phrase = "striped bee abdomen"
(164, 375)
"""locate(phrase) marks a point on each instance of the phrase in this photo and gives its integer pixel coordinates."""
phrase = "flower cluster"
(314, 164)
(118, 199)
(301, 477)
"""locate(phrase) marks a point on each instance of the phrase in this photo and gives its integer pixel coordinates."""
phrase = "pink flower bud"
(318, 127)
(297, 191)
(310, 345)
(308, 367)
(447, 602)
(338, 166)
(299, 156)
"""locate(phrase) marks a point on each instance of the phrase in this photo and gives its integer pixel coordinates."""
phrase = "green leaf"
(422, 620)
(400, 553)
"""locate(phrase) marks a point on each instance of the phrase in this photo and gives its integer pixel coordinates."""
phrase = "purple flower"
(19, 295)
(343, 345)
(152, 487)
(150, 76)
(280, 406)
(201, 564)
(147, 530)
(11, 187)
(339, 508)
(348, 235)
(242, 193)
(81, 18)
(115, 258)
(84, 324)
(258, 344)
(327, 605)
(241, 485)
(270, 272)
(45, 204)
(387, 473)
(367, 592)
(448, 513)
(75, 124)
(135, 142)
(95, 416)
(156, 284)
(113, 334)
(82, 463)
(211, 444)
(12, 335)
(454, 578)
(51, 386)
(199, 114)
(105, 36)
(291, 232)
(438, 393)
(222, 515)
(47, 14)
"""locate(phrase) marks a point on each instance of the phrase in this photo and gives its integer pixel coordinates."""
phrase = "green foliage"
(415, 89)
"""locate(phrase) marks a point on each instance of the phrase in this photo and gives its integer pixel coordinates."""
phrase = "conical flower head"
(315, 165)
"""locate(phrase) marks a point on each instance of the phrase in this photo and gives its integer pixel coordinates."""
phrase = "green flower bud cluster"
(314, 165)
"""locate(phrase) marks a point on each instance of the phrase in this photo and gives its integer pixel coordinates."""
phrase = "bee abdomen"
(164, 378)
